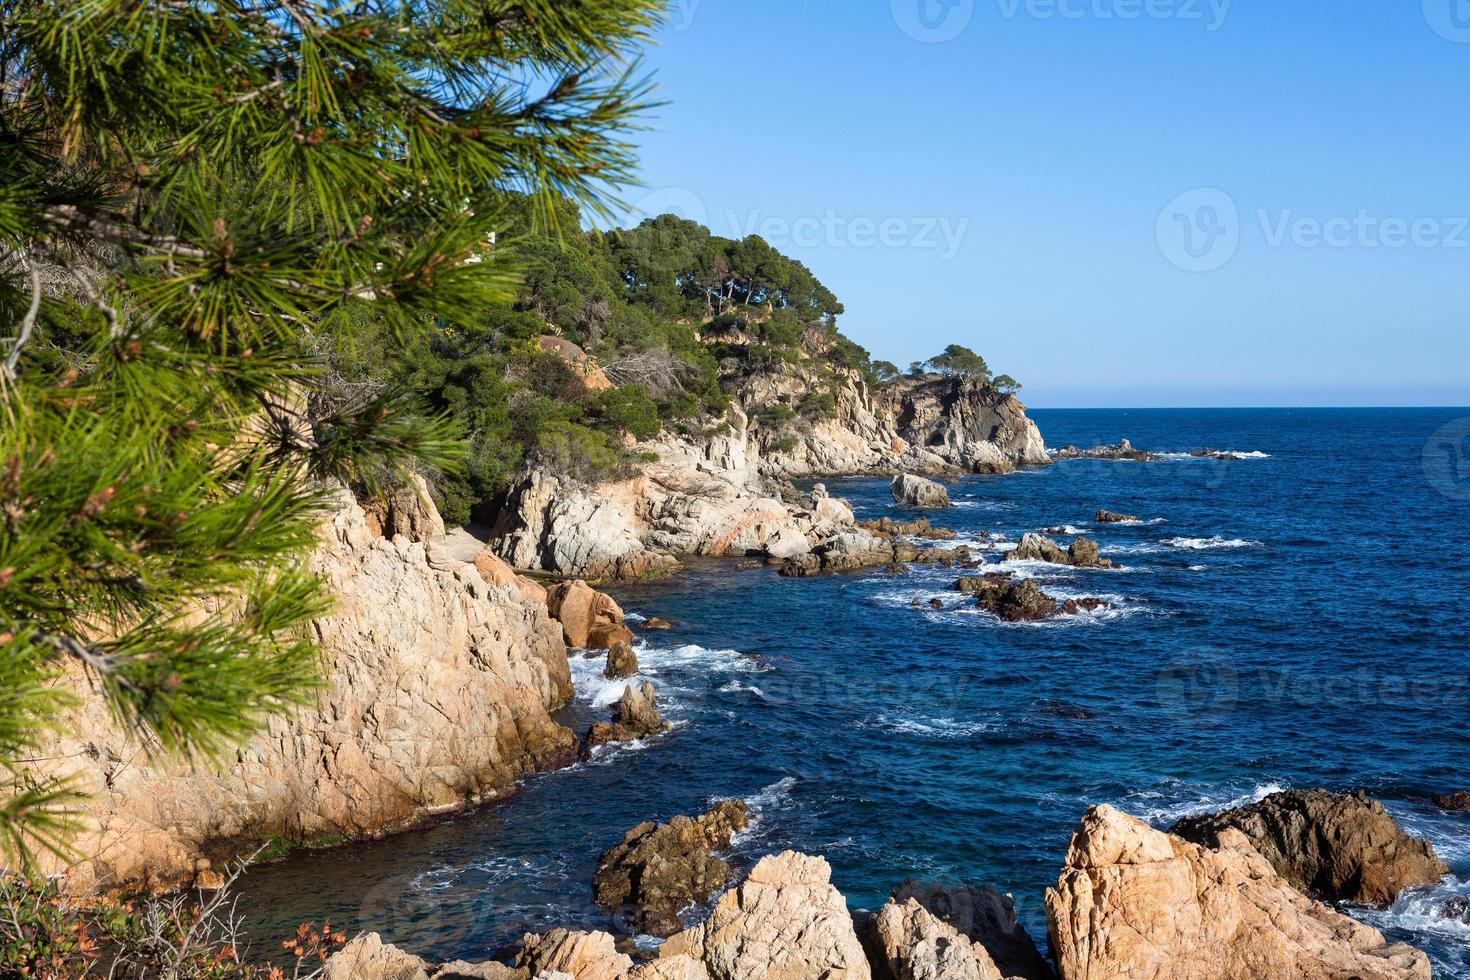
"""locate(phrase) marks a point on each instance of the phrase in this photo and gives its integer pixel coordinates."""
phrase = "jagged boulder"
(915, 491)
(1121, 450)
(588, 618)
(621, 662)
(931, 932)
(1331, 846)
(635, 716)
(659, 869)
(985, 915)
(1111, 517)
(1081, 553)
(1135, 902)
(580, 955)
(784, 922)
(1013, 600)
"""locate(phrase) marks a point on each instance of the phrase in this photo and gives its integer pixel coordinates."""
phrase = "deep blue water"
(1299, 618)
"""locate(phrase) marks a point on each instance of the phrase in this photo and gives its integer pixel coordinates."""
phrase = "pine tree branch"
(28, 322)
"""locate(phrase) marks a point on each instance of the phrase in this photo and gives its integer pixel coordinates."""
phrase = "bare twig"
(28, 322)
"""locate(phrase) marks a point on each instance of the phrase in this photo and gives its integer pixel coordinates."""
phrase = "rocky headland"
(725, 491)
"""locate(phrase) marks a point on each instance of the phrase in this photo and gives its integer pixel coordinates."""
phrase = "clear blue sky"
(1010, 187)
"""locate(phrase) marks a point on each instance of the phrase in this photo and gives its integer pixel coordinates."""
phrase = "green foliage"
(1006, 385)
(219, 222)
(627, 409)
(817, 405)
(885, 371)
(962, 361)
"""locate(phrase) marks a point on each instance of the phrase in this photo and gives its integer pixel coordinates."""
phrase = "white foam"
(923, 726)
(768, 800)
(1175, 800)
(1199, 568)
(1210, 543)
(734, 686)
(1219, 455)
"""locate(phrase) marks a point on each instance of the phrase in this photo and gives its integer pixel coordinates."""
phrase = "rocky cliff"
(722, 492)
(439, 691)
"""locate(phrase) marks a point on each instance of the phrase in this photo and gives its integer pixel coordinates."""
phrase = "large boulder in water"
(1135, 902)
(784, 922)
(635, 716)
(915, 491)
(1332, 846)
(1081, 553)
(659, 869)
(931, 932)
(621, 662)
(1110, 517)
(1013, 600)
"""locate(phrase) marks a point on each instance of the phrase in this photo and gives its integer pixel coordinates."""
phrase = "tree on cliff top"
(961, 361)
(196, 200)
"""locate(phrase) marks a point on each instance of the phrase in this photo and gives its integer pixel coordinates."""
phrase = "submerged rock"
(635, 716)
(1453, 801)
(655, 623)
(784, 922)
(1122, 450)
(1110, 517)
(1331, 846)
(915, 491)
(1136, 902)
(660, 869)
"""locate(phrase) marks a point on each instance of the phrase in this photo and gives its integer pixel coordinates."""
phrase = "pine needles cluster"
(198, 198)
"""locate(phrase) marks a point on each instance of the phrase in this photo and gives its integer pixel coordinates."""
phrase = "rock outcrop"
(930, 932)
(1122, 450)
(660, 869)
(635, 716)
(784, 922)
(1331, 846)
(588, 618)
(860, 549)
(621, 662)
(915, 491)
(407, 511)
(723, 492)
(1135, 902)
(438, 692)
(1081, 553)
(1111, 517)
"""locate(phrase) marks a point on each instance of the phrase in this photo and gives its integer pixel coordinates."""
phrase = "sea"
(1295, 613)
